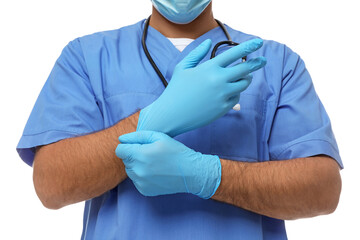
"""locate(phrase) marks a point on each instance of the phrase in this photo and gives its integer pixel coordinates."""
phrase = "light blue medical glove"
(159, 165)
(200, 94)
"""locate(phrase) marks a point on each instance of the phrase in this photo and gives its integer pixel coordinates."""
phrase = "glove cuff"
(212, 175)
(150, 116)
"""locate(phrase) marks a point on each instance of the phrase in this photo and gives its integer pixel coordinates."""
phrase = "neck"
(202, 24)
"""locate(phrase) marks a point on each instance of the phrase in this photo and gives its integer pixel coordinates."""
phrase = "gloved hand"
(158, 165)
(198, 95)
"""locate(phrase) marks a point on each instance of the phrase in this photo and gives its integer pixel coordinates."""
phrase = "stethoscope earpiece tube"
(231, 43)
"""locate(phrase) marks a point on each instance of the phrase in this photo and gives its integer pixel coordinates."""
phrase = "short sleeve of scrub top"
(301, 126)
(66, 106)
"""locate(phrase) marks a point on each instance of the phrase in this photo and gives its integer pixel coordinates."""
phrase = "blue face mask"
(180, 11)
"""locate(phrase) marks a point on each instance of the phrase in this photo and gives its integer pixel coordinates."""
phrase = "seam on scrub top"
(233, 156)
(87, 219)
(51, 131)
(86, 63)
(87, 72)
(310, 140)
(282, 68)
(263, 131)
(127, 93)
(251, 94)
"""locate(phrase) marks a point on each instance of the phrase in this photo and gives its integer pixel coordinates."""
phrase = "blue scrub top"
(104, 77)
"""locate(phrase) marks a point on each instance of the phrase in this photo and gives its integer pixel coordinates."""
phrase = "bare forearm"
(77, 169)
(291, 189)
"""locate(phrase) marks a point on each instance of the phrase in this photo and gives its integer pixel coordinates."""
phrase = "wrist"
(127, 125)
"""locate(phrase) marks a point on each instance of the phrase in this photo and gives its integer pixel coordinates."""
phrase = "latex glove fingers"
(235, 88)
(237, 52)
(233, 100)
(243, 69)
(195, 56)
(198, 94)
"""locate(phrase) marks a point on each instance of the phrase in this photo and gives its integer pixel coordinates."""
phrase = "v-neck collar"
(167, 56)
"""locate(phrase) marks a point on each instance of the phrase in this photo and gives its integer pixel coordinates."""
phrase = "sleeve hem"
(27, 144)
(310, 148)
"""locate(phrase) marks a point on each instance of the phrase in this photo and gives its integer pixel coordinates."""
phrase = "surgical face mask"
(180, 11)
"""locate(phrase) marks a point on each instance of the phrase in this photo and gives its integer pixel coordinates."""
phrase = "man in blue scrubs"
(275, 159)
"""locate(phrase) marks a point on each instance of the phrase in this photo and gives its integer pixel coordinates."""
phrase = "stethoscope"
(213, 53)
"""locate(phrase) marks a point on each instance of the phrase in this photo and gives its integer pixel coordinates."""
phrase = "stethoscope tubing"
(213, 53)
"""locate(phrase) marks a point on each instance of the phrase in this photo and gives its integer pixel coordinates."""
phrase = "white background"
(324, 32)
